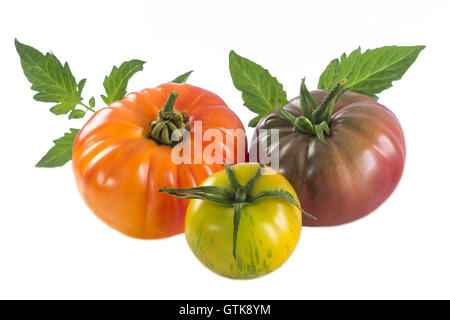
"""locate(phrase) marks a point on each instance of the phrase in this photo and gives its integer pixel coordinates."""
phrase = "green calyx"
(168, 127)
(236, 195)
(316, 119)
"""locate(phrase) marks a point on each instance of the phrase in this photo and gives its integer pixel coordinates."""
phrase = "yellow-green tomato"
(268, 233)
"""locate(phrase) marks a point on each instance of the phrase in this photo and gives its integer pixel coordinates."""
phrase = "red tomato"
(119, 167)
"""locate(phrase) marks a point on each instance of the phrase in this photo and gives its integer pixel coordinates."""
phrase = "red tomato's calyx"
(316, 119)
(169, 125)
(236, 196)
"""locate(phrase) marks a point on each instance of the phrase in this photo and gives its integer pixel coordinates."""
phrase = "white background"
(52, 246)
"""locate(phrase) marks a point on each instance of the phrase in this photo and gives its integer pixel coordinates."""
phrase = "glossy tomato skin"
(119, 170)
(268, 233)
(354, 172)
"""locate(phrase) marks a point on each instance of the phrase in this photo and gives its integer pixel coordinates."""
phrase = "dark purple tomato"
(353, 172)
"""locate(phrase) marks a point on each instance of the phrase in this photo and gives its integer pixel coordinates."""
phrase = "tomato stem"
(168, 127)
(316, 119)
(170, 102)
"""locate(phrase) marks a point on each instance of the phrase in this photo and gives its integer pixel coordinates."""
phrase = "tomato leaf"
(116, 83)
(52, 81)
(92, 102)
(61, 152)
(81, 85)
(182, 78)
(61, 109)
(370, 72)
(77, 114)
(261, 91)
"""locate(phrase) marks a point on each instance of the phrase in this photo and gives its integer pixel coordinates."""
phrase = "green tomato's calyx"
(241, 195)
(169, 125)
(316, 119)
(236, 196)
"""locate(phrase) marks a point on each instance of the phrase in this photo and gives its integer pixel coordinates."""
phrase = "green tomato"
(268, 232)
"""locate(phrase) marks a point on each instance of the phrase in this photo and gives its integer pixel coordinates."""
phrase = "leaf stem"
(87, 107)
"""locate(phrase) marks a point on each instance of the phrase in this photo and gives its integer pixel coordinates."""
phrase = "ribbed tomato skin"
(118, 169)
(357, 168)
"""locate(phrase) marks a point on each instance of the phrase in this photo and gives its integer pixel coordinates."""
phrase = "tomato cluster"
(174, 159)
(241, 221)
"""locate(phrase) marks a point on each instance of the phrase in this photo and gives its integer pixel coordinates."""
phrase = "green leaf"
(81, 85)
(116, 83)
(370, 72)
(92, 102)
(252, 123)
(61, 153)
(261, 91)
(61, 109)
(52, 81)
(77, 114)
(182, 78)
(346, 68)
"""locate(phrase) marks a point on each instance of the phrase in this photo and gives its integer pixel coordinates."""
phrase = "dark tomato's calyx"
(236, 196)
(316, 119)
(325, 110)
(168, 128)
